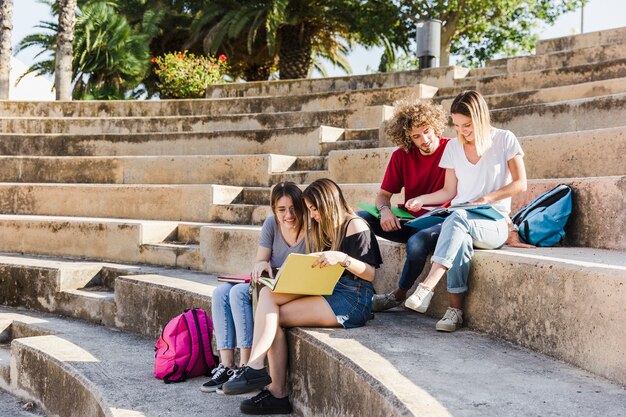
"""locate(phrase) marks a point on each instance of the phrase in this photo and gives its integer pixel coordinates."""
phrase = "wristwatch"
(346, 262)
(513, 228)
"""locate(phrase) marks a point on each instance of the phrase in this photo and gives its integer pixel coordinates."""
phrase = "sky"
(598, 15)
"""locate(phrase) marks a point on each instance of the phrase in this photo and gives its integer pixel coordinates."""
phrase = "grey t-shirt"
(271, 238)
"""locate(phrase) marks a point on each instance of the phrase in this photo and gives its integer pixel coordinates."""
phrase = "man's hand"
(515, 242)
(388, 221)
(414, 204)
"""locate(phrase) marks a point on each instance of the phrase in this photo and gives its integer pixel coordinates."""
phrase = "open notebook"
(297, 277)
(438, 214)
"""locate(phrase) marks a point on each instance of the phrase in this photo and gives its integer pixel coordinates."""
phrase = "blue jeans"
(231, 309)
(460, 233)
(419, 244)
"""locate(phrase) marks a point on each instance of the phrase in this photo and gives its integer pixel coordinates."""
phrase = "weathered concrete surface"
(11, 406)
(179, 169)
(150, 202)
(337, 100)
(568, 303)
(532, 80)
(297, 141)
(94, 238)
(86, 360)
(367, 117)
(598, 218)
(146, 302)
(436, 77)
(228, 248)
(558, 155)
(586, 40)
(408, 367)
(559, 59)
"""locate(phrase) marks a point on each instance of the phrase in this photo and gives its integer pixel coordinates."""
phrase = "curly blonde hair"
(414, 113)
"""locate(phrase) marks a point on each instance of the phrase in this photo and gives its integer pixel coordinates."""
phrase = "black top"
(362, 246)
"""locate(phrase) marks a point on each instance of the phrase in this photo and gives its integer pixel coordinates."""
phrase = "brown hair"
(414, 113)
(326, 196)
(291, 190)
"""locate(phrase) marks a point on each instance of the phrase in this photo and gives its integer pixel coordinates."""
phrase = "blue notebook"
(439, 214)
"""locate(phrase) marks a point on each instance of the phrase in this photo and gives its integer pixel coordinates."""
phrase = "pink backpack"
(184, 349)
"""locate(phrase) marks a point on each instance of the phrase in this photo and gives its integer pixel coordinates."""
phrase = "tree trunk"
(294, 52)
(65, 37)
(6, 26)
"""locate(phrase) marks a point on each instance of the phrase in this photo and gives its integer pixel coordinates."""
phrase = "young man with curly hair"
(416, 128)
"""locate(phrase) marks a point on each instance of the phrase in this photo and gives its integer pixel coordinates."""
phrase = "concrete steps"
(379, 370)
(299, 141)
(51, 357)
(186, 111)
(435, 77)
(260, 170)
(557, 155)
(586, 40)
(365, 117)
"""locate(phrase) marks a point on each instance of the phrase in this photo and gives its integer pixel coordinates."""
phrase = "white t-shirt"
(490, 173)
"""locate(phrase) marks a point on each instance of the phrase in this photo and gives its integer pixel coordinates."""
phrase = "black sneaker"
(265, 403)
(219, 375)
(246, 379)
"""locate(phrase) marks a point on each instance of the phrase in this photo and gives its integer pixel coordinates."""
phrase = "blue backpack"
(542, 221)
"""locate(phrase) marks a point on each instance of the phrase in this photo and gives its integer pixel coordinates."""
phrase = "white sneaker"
(420, 299)
(452, 320)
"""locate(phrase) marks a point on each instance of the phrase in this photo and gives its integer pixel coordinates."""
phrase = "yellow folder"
(297, 277)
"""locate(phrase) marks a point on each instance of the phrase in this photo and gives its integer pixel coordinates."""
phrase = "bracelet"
(382, 207)
(346, 262)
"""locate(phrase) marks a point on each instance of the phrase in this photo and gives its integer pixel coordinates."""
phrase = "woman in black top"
(339, 237)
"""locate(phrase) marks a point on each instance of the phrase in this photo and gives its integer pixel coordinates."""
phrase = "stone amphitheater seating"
(115, 216)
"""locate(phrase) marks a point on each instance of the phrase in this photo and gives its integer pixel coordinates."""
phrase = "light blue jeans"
(461, 232)
(231, 309)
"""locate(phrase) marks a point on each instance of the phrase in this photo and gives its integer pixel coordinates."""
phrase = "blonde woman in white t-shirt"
(484, 165)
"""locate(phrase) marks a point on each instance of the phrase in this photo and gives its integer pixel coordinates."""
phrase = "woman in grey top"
(231, 307)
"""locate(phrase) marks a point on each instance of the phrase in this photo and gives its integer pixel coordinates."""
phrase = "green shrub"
(185, 75)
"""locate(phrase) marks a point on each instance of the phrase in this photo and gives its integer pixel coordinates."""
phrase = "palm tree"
(110, 58)
(295, 32)
(6, 26)
(65, 37)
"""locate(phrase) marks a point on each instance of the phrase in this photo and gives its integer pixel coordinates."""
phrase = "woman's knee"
(222, 292)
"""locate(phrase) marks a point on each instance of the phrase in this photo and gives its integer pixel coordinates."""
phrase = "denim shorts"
(351, 301)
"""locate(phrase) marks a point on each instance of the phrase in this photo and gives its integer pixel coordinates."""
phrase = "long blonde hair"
(471, 103)
(326, 196)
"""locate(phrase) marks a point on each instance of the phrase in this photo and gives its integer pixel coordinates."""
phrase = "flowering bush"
(185, 75)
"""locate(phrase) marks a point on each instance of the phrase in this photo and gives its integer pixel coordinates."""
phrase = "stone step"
(604, 226)
(334, 100)
(533, 80)
(540, 277)
(364, 117)
(308, 163)
(436, 77)
(560, 59)
(79, 237)
(55, 357)
(13, 407)
(547, 95)
(357, 350)
(300, 177)
(565, 116)
(555, 155)
(190, 203)
(175, 169)
(298, 141)
(349, 145)
(239, 213)
(586, 40)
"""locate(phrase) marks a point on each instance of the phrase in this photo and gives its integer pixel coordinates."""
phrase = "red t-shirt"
(418, 174)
